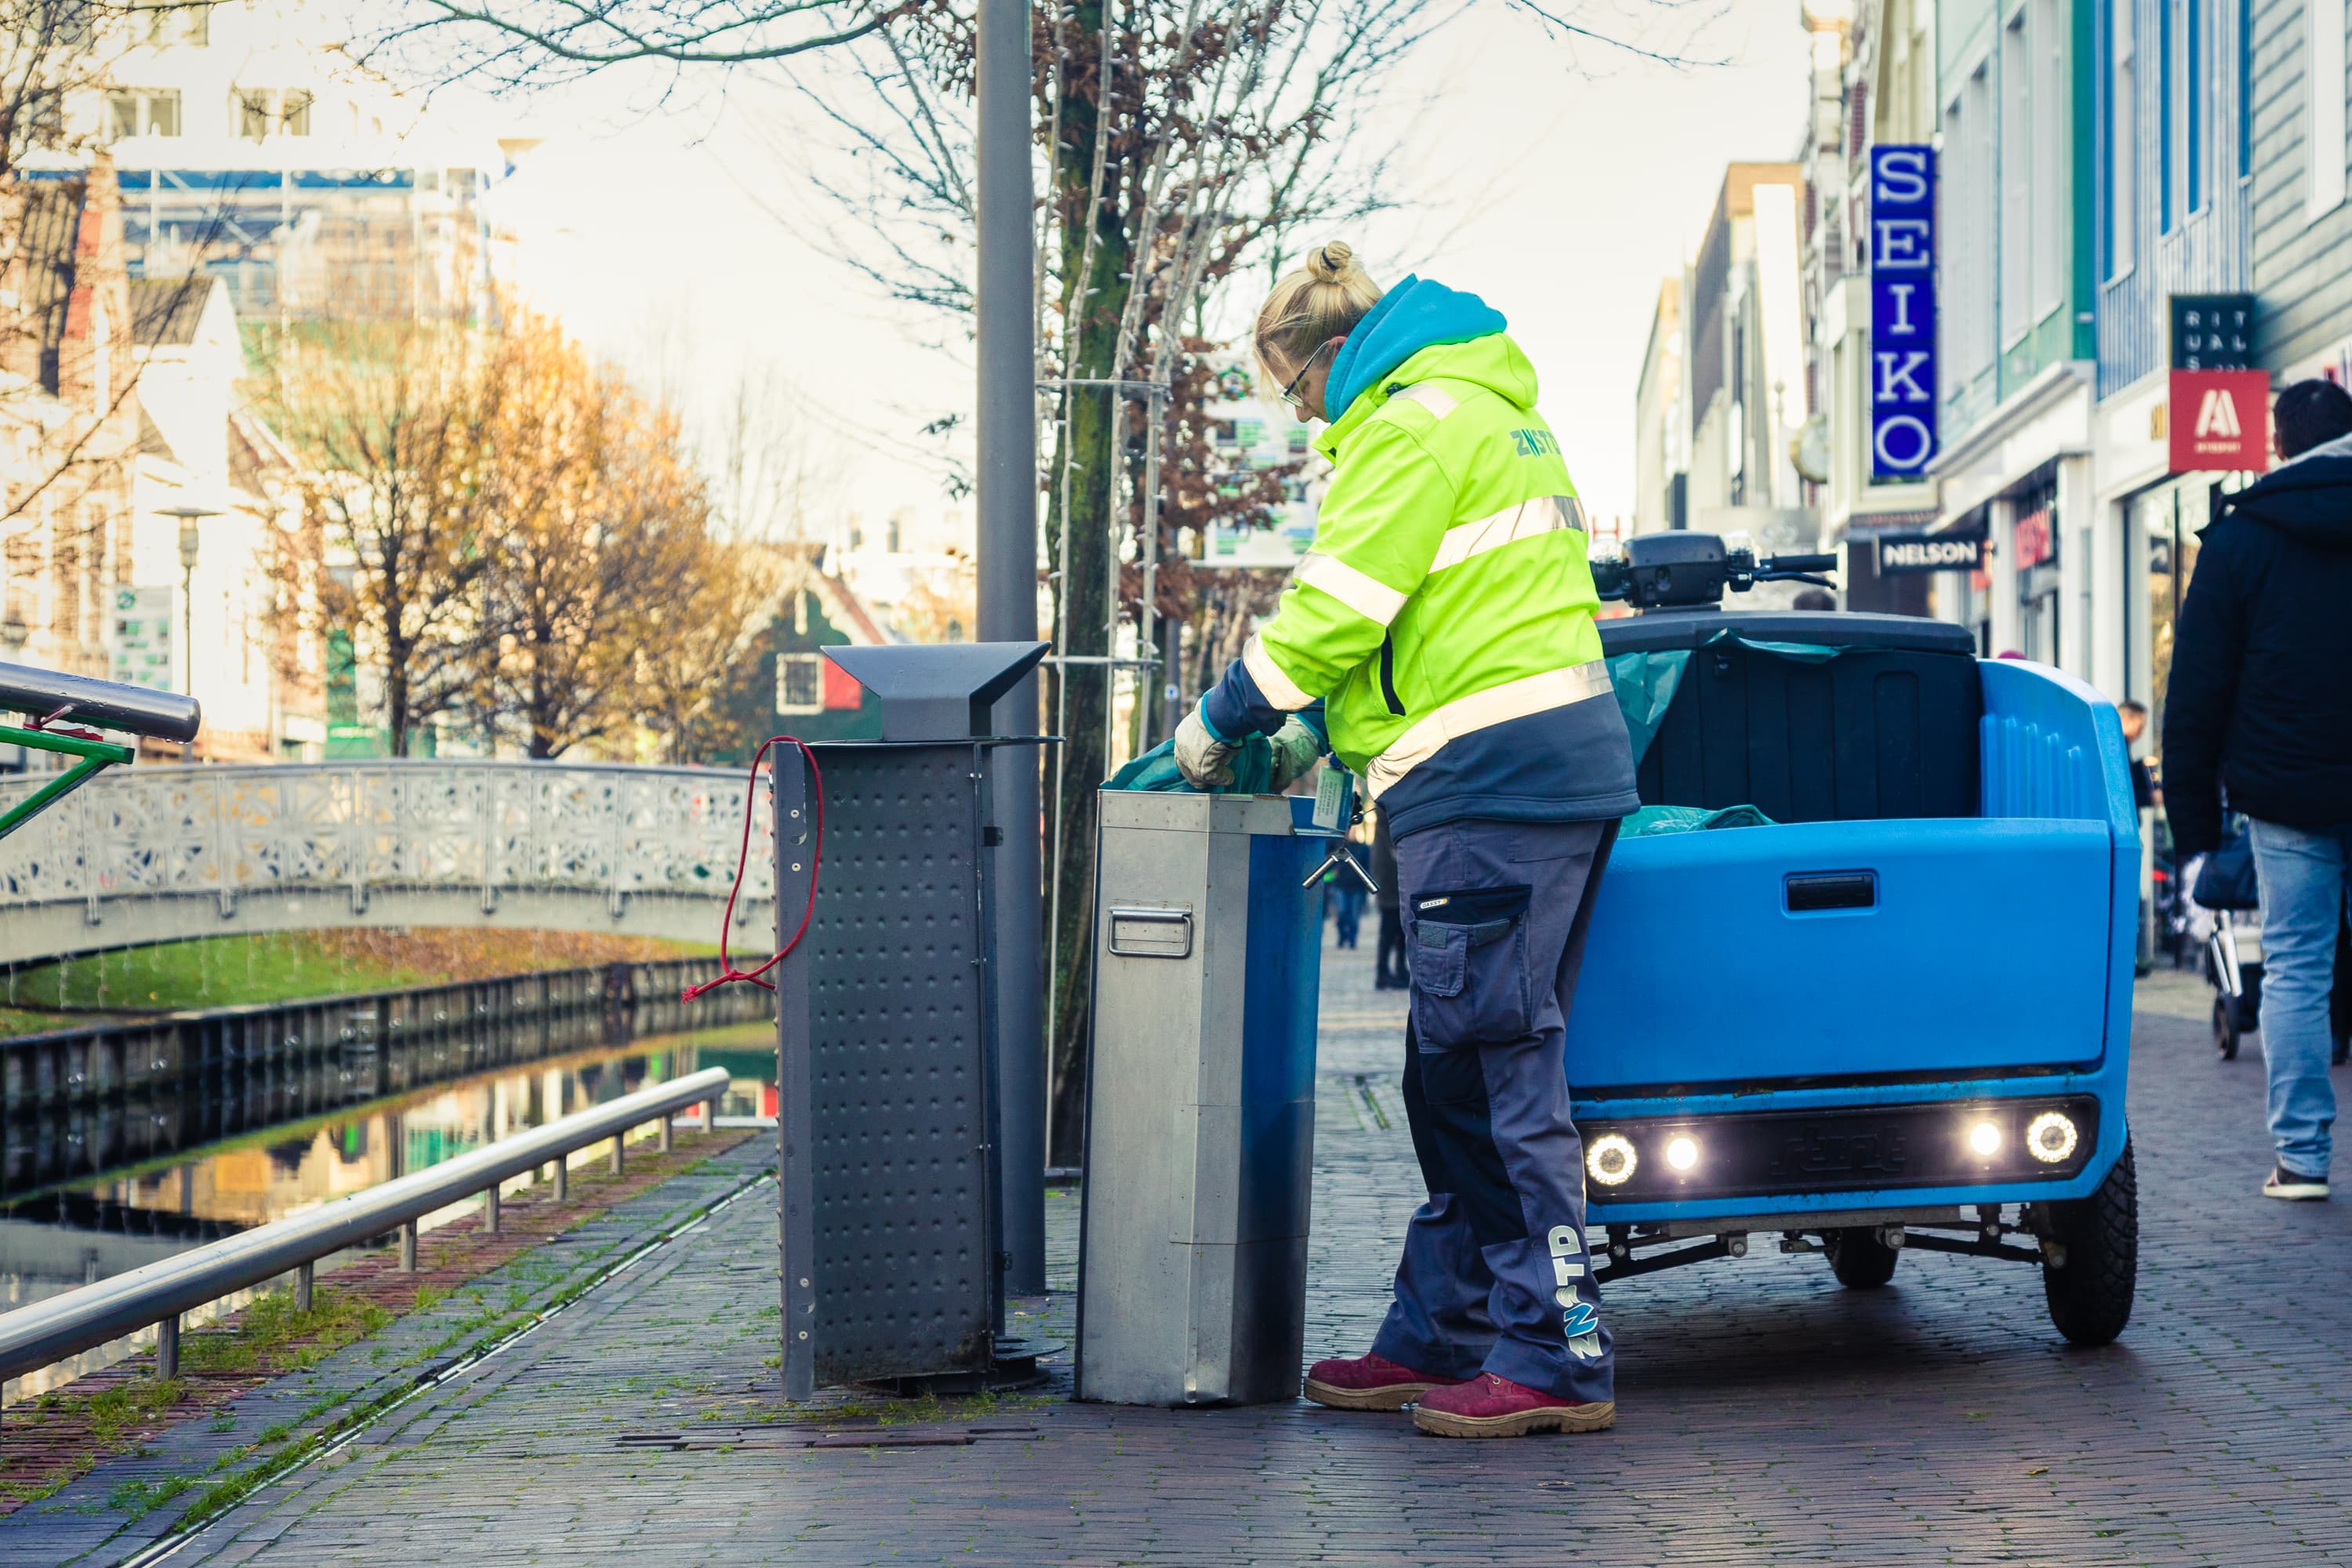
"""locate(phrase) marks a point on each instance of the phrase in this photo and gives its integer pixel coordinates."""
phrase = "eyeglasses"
(1290, 393)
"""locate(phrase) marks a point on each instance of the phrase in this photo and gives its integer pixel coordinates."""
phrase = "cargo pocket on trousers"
(1470, 967)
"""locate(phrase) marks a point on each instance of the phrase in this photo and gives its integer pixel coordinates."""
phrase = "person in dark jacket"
(2259, 710)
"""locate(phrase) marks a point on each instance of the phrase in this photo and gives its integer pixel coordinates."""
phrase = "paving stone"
(1766, 1415)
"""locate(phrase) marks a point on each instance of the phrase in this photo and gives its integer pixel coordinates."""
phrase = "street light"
(188, 515)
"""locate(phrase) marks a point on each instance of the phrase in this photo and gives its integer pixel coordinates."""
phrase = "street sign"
(1902, 310)
(143, 637)
(2212, 332)
(1903, 553)
(2219, 419)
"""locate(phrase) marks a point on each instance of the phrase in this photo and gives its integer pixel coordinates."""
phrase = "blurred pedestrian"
(1349, 890)
(1388, 962)
(2134, 718)
(1814, 599)
(2260, 709)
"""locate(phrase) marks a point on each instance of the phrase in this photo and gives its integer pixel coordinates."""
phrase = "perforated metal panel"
(885, 1022)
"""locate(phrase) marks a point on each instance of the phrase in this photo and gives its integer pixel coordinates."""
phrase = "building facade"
(248, 145)
(2124, 189)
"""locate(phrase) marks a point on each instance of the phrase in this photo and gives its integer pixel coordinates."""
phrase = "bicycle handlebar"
(109, 704)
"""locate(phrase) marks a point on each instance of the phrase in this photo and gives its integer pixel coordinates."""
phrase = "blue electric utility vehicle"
(1897, 1017)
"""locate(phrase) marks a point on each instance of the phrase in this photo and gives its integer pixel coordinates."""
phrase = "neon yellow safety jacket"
(1444, 614)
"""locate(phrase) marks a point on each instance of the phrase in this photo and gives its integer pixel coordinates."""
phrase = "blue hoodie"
(1414, 315)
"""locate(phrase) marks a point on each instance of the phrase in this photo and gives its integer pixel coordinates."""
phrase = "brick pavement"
(1767, 1416)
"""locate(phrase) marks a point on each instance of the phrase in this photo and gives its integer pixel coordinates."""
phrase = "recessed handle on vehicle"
(1151, 933)
(1809, 891)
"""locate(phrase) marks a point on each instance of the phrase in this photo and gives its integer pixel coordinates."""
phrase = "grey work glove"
(1204, 759)
(1296, 748)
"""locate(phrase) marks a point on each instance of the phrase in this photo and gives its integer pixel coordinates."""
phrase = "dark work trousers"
(1495, 1275)
(1390, 959)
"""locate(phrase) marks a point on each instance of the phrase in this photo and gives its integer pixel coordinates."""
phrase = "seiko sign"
(1902, 310)
(1899, 552)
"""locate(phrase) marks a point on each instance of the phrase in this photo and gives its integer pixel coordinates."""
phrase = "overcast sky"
(1560, 190)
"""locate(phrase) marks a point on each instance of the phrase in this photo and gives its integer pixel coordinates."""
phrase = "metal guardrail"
(48, 1331)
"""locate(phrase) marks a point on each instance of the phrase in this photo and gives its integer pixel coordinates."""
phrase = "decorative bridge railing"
(162, 851)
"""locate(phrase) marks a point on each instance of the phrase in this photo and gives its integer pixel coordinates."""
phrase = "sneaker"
(2286, 1184)
(1370, 1383)
(1492, 1406)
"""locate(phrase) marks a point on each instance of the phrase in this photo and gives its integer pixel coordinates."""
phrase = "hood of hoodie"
(1416, 315)
(2308, 499)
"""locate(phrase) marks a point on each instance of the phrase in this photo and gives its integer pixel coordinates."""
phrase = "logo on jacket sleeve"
(1580, 1323)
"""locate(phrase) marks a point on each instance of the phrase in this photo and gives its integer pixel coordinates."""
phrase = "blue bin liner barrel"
(1201, 1116)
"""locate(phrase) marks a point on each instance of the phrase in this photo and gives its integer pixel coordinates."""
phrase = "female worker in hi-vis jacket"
(1444, 620)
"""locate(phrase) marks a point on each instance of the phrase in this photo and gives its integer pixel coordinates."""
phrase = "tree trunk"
(1092, 307)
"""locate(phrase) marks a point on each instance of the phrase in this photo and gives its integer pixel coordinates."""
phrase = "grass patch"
(224, 970)
(136, 1497)
(120, 1408)
(269, 1325)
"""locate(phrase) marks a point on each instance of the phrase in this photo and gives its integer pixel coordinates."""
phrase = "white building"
(211, 475)
(1725, 381)
(250, 146)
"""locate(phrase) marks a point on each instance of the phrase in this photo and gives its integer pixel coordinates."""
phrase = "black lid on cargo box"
(1666, 630)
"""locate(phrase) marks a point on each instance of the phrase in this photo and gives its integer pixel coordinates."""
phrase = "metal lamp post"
(188, 516)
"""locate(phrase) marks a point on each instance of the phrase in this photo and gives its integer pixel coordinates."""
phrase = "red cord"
(727, 970)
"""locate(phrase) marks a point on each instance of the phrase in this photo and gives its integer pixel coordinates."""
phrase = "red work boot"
(1491, 1406)
(1370, 1383)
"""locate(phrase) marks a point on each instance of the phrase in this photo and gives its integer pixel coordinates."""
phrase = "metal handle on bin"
(1151, 933)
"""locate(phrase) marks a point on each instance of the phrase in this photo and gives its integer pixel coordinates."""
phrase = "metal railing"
(154, 852)
(48, 1331)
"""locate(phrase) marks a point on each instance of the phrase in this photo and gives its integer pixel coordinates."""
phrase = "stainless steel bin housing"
(1200, 1121)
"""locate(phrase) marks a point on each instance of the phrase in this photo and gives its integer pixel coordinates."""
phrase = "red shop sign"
(2219, 419)
(2032, 532)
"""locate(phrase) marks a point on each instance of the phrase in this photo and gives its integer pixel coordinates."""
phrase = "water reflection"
(72, 1236)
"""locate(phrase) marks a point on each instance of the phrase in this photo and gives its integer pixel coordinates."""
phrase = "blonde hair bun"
(1323, 298)
(1329, 262)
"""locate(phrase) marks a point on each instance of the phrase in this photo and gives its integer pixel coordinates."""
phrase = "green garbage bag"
(1656, 821)
(1252, 768)
(1645, 685)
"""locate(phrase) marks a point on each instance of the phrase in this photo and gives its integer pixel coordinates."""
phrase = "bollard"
(620, 1160)
(304, 1281)
(408, 1248)
(491, 1211)
(167, 1347)
(663, 1144)
(563, 1177)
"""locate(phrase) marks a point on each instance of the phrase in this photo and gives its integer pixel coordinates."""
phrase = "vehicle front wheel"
(2225, 1030)
(2090, 1293)
(1859, 1259)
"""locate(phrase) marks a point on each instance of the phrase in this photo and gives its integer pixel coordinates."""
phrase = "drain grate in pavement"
(756, 1437)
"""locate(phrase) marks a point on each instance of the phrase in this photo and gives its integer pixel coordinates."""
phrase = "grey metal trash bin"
(1200, 1117)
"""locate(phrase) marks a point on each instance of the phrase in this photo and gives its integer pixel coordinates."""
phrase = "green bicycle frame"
(95, 756)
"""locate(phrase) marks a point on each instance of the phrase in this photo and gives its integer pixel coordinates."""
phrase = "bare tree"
(774, 470)
(388, 418)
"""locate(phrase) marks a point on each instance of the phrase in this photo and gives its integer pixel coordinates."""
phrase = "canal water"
(96, 1228)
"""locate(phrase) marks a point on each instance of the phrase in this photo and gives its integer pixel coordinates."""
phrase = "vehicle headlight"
(1681, 1152)
(2051, 1137)
(1611, 1159)
(1984, 1139)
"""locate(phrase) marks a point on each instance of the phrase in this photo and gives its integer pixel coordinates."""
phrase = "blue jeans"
(2306, 875)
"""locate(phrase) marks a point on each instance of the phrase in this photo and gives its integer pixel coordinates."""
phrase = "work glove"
(1296, 748)
(1203, 759)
